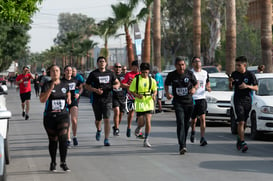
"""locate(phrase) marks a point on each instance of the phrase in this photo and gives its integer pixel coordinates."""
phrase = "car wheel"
(233, 124)
(254, 134)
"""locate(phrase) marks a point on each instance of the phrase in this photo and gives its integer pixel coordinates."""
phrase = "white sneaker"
(147, 144)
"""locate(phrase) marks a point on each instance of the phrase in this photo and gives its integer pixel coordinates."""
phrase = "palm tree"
(86, 46)
(157, 34)
(105, 29)
(230, 35)
(266, 34)
(197, 28)
(146, 12)
(123, 14)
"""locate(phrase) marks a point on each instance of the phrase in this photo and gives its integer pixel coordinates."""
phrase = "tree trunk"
(197, 28)
(230, 35)
(147, 41)
(266, 34)
(157, 34)
(129, 46)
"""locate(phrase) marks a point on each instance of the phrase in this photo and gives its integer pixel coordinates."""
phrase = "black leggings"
(56, 126)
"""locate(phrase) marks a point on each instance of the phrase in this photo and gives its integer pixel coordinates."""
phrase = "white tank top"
(202, 80)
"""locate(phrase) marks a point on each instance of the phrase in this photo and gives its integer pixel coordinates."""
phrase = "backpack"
(150, 84)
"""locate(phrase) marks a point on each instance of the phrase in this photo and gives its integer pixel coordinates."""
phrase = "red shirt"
(24, 86)
(128, 80)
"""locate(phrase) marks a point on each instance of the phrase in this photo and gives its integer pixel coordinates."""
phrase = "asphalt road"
(127, 159)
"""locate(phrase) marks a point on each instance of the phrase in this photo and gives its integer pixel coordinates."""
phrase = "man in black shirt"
(101, 82)
(118, 100)
(183, 84)
(244, 83)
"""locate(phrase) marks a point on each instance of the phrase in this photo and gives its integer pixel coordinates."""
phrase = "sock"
(146, 136)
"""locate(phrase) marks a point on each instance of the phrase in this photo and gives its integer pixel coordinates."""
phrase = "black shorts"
(130, 105)
(102, 110)
(199, 108)
(25, 96)
(73, 103)
(120, 104)
(143, 113)
(242, 109)
(53, 121)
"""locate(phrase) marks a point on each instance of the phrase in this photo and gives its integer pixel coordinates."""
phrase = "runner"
(125, 83)
(56, 95)
(160, 88)
(101, 82)
(36, 85)
(183, 84)
(244, 83)
(144, 90)
(200, 103)
(24, 83)
(118, 100)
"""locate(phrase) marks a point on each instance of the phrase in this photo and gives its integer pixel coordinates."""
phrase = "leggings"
(56, 126)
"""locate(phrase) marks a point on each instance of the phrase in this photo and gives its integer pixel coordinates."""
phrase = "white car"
(218, 100)
(260, 118)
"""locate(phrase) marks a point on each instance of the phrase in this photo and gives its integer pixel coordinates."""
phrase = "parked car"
(210, 69)
(260, 118)
(2, 160)
(218, 100)
(253, 69)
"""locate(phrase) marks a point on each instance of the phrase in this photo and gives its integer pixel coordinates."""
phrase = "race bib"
(25, 83)
(201, 83)
(182, 91)
(58, 104)
(72, 86)
(104, 79)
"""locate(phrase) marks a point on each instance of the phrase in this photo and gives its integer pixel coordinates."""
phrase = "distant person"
(199, 97)
(183, 84)
(44, 77)
(261, 69)
(160, 88)
(101, 82)
(124, 69)
(24, 83)
(144, 89)
(244, 82)
(218, 67)
(36, 83)
(125, 83)
(55, 93)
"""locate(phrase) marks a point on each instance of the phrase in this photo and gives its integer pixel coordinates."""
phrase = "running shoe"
(68, 143)
(98, 135)
(53, 167)
(106, 142)
(75, 141)
(140, 135)
(27, 117)
(244, 146)
(238, 144)
(137, 131)
(183, 151)
(192, 136)
(147, 144)
(64, 167)
(115, 131)
(203, 142)
(128, 132)
(23, 113)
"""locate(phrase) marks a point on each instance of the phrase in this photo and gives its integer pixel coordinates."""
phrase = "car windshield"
(219, 84)
(265, 87)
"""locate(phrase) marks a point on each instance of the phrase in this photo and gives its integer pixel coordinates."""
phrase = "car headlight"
(211, 99)
(267, 109)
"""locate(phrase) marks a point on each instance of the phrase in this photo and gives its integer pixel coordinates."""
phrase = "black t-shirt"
(248, 78)
(181, 84)
(57, 99)
(119, 93)
(104, 80)
(72, 83)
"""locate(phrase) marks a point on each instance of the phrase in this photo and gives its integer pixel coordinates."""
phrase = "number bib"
(58, 104)
(182, 91)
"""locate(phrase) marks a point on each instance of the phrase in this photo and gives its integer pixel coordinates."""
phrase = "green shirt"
(147, 102)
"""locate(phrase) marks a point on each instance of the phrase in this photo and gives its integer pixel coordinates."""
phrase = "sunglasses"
(117, 66)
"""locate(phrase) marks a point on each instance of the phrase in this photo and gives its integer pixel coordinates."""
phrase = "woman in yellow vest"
(144, 89)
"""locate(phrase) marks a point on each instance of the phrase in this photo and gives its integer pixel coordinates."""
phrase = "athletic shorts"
(25, 96)
(242, 109)
(120, 104)
(102, 110)
(130, 105)
(199, 108)
(54, 121)
(73, 103)
(160, 94)
(143, 113)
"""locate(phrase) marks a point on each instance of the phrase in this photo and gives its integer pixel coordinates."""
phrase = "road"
(127, 159)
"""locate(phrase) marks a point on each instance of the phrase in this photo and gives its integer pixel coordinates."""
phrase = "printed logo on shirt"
(64, 90)
(104, 79)
(246, 80)
(72, 86)
(186, 80)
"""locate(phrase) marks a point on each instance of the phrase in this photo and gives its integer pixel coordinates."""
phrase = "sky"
(45, 21)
